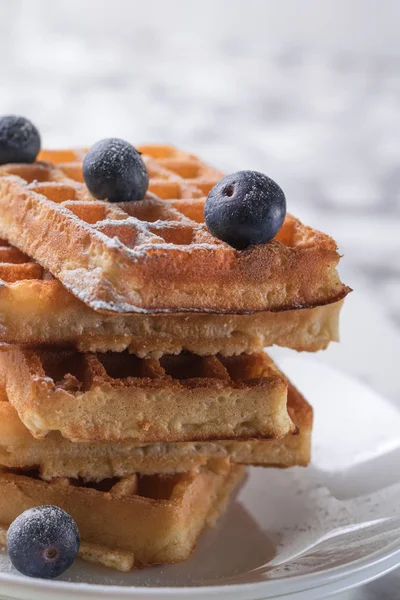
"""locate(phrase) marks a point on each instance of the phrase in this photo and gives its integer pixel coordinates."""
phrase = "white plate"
(299, 533)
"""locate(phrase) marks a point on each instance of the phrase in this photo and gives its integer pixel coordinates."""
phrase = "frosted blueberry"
(19, 140)
(43, 542)
(115, 170)
(245, 208)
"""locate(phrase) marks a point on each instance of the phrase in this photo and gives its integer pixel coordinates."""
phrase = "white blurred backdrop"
(308, 92)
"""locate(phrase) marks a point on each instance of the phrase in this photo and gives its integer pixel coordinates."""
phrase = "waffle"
(36, 309)
(156, 255)
(130, 522)
(110, 396)
(55, 456)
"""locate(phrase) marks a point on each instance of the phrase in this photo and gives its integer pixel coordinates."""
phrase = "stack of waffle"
(133, 383)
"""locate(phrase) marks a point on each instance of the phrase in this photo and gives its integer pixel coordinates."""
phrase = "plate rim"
(348, 582)
(297, 583)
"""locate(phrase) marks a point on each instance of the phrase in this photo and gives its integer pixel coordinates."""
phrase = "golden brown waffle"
(112, 396)
(55, 456)
(36, 309)
(131, 522)
(156, 255)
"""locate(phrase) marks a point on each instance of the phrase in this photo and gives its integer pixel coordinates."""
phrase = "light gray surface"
(307, 92)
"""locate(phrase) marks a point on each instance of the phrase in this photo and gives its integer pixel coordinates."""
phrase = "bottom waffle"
(56, 456)
(132, 522)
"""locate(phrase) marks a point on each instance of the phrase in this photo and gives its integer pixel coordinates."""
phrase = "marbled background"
(308, 92)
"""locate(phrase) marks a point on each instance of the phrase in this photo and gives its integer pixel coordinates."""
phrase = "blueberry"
(19, 140)
(115, 170)
(245, 208)
(43, 542)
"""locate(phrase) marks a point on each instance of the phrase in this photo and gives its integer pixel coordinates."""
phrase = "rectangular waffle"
(56, 456)
(36, 309)
(156, 255)
(131, 522)
(117, 396)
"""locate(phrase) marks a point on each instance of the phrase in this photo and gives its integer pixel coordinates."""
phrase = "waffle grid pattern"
(175, 176)
(170, 215)
(118, 396)
(156, 255)
(75, 371)
(16, 266)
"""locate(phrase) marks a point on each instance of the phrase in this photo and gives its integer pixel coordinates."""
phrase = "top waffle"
(156, 255)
